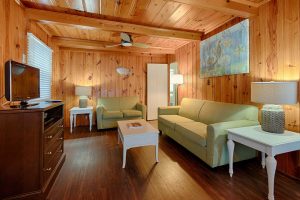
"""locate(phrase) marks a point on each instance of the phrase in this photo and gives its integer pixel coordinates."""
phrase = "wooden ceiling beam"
(109, 25)
(251, 3)
(225, 6)
(100, 45)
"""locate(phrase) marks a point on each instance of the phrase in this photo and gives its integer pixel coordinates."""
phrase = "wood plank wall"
(12, 29)
(232, 88)
(13, 32)
(98, 69)
(274, 55)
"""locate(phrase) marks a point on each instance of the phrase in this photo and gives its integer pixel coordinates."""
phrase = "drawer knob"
(61, 138)
(49, 137)
(60, 151)
(60, 126)
(49, 153)
(48, 169)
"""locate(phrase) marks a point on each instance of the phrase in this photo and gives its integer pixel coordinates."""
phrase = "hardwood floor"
(93, 170)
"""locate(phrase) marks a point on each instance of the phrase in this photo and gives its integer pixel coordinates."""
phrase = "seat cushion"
(195, 131)
(171, 120)
(112, 115)
(132, 113)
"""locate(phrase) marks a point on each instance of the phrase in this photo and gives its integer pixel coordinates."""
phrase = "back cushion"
(128, 103)
(214, 112)
(190, 108)
(110, 103)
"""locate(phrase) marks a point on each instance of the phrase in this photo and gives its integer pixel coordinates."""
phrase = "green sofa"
(112, 109)
(201, 127)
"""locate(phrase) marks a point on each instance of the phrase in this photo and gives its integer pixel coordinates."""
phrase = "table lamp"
(177, 79)
(83, 92)
(273, 95)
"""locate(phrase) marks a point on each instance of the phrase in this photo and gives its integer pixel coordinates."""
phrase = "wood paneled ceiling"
(184, 16)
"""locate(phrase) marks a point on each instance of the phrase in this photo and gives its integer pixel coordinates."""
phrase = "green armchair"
(112, 109)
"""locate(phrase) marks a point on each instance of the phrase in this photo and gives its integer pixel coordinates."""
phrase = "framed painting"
(226, 52)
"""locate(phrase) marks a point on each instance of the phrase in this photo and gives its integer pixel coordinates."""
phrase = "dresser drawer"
(51, 161)
(50, 152)
(50, 141)
(55, 128)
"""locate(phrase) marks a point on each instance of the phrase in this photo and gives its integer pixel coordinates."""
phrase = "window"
(39, 55)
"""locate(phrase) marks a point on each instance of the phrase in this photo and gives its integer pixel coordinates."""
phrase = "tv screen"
(22, 82)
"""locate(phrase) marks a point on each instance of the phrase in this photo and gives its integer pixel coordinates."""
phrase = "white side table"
(271, 144)
(79, 111)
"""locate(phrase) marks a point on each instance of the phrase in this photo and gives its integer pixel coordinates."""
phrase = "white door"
(157, 88)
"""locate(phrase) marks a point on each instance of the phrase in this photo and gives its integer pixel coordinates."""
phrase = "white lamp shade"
(83, 90)
(279, 93)
(177, 79)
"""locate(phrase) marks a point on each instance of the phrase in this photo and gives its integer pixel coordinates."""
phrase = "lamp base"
(272, 119)
(83, 103)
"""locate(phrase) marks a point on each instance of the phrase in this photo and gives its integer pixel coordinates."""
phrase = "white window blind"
(40, 56)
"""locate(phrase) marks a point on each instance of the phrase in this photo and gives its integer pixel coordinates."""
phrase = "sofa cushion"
(112, 115)
(195, 131)
(190, 108)
(171, 120)
(128, 103)
(110, 103)
(215, 112)
(132, 113)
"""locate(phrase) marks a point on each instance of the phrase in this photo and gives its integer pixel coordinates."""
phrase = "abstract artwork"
(226, 52)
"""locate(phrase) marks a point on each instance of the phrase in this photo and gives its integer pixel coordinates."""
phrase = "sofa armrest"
(168, 110)
(217, 152)
(100, 109)
(142, 108)
(99, 112)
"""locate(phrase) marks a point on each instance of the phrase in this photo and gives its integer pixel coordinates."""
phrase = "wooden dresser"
(31, 150)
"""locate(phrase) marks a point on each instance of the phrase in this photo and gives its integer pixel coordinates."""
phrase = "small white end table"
(137, 137)
(79, 111)
(271, 144)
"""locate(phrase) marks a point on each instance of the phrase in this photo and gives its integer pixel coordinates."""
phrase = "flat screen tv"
(22, 82)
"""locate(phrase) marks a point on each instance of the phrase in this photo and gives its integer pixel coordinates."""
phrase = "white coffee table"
(80, 111)
(271, 144)
(137, 137)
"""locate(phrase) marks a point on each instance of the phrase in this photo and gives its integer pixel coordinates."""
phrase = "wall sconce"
(123, 71)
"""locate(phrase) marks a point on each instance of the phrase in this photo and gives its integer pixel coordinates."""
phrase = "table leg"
(263, 160)
(230, 145)
(124, 156)
(74, 120)
(91, 121)
(271, 164)
(71, 122)
(156, 153)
